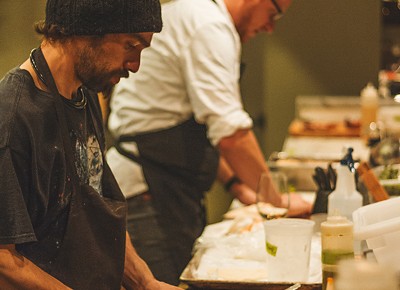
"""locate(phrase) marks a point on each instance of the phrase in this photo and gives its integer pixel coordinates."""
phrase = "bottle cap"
(337, 219)
(348, 159)
(369, 91)
(337, 223)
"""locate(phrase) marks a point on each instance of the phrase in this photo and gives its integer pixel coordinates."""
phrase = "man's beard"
(97, 79)
(93, 73)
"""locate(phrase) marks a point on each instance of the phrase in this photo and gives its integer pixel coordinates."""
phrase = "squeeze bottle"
(345, 198)
(369, 100)
(336, 245)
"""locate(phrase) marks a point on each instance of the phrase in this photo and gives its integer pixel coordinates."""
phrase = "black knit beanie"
(99, 17)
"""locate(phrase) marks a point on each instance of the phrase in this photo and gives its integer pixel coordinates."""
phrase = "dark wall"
(319, 47)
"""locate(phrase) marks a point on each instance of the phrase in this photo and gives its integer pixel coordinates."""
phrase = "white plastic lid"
(376, 212)
(377, 229)
(369, 91)
(337, 224)
(337, 221)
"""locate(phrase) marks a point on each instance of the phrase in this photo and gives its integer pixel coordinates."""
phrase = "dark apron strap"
(126, 153)
(47, 78)
(92, 252)
(51, 85)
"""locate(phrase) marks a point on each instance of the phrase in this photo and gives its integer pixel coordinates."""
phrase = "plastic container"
(379, 225)
(369, 100)
(288, 245)
(345, 199)
(376, 212)
(337, 244)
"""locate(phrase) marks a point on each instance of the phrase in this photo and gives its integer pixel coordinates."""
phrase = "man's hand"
(298, 207)
(157, 285)
(243, 193)
(137, 275)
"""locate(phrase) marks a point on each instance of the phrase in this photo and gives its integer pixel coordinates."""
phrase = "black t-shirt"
(35, 186)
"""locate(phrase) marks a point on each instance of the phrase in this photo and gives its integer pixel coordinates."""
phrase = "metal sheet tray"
(188, 278)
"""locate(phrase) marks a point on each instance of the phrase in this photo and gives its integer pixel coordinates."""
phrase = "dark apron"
(179, 165)
(92, 253)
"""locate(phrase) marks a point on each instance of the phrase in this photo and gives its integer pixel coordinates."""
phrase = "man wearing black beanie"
(62, 213)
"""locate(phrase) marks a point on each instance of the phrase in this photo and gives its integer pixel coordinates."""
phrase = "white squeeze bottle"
(345, 198)
(369, 100)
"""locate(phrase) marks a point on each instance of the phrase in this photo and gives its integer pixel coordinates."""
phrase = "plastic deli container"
(379, 225)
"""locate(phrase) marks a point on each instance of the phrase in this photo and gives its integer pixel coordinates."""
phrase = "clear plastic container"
(288, 245)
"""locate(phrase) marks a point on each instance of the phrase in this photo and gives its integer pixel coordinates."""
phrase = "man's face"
(101, 62)
(260, 16)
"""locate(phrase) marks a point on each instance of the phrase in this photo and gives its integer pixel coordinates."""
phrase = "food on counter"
(389, 173)
(242, 224)
(318, 126)
(242, 211)
(389, 178)
(351, 123)
(269, 212)
(246, 217)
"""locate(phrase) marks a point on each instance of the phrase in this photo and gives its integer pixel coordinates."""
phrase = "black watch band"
(234, 179)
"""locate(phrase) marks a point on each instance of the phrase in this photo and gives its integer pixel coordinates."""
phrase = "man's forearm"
(224, 171)
(238, 189)
(244, 156)
(137, 274)
(18, 272)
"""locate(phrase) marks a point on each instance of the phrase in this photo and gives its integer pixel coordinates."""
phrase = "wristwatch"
(234, 179)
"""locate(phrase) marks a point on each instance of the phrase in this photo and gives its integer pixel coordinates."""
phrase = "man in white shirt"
(179, 122)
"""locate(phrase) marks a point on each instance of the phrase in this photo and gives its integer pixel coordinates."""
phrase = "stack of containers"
(379, 225)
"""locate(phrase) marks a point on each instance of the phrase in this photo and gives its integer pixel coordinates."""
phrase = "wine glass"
(273, 189)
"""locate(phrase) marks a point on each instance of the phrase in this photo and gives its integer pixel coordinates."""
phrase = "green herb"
(389, 173)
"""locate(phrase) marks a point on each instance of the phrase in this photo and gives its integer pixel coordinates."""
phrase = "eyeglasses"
(279, 13)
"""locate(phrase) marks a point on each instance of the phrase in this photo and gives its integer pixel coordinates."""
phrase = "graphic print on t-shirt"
(88, 162)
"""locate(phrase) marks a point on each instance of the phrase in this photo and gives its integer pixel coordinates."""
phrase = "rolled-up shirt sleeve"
(211, 65)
